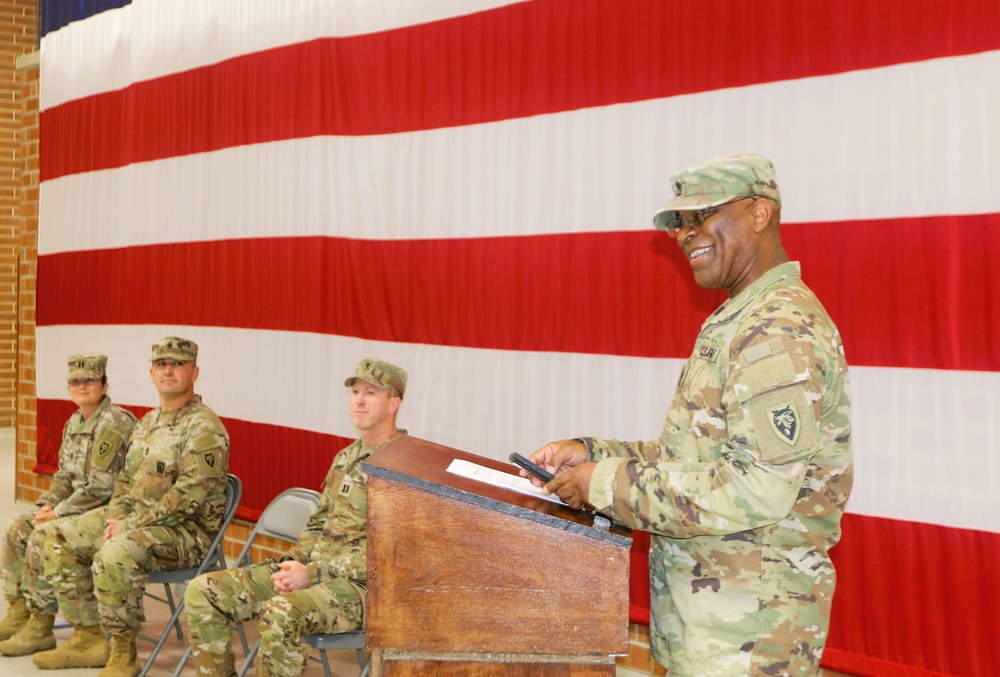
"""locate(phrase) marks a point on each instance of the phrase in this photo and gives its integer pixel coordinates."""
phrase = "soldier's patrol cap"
(87, 365)
(718, 181)
(379, 373)
(175, 348)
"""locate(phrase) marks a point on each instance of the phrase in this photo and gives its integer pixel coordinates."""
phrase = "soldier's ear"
(761, 210)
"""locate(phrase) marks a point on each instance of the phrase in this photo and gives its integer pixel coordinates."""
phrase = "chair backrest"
(214, 557)
(284, 518)
(234, 494)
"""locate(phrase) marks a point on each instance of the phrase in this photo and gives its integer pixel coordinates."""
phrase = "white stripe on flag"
(841, 145)
(97, 55)
(912, 428)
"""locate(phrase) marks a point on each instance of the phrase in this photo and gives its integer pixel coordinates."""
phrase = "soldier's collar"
(175, 414)
(90, 423)
(740, 301)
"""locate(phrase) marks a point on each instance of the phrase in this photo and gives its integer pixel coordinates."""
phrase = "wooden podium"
(467, 578)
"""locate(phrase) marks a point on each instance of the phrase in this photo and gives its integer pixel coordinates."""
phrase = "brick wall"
(19, 224)
(18, 36)
(29, 484)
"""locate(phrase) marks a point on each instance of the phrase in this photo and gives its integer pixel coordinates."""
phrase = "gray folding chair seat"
(343, 640)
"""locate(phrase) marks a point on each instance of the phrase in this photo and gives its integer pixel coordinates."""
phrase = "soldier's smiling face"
(720, 249)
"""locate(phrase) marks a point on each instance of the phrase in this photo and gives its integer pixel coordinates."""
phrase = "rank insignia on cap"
(678, 188)
(785, 422)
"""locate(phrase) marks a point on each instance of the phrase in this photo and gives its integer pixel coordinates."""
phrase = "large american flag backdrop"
(464, 187)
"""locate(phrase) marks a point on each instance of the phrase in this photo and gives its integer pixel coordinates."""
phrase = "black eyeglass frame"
(695, 218)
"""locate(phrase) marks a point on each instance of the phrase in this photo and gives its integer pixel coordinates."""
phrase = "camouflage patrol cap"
(717, 181)
(175, 348)
(88, 365)
(379, 373)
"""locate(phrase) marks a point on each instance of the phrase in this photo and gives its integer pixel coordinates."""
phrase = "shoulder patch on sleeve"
(206, 441)
(210, 462)
(106, 446)
(208, 452)
(765, 374)
(784, 424)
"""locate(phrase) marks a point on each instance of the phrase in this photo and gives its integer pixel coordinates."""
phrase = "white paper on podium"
(497, 478)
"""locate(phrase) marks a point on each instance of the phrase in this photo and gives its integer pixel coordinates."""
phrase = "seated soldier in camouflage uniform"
(166, 509)
(744, 490)
(91, 454)
(320, 585)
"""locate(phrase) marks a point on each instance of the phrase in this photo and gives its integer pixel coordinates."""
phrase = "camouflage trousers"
(97, 581)
(214, 600)
(23, 573)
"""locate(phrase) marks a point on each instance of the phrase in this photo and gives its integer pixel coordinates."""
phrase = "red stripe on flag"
(255, 449)
(937, 585)
(628, 293)
(511, 62)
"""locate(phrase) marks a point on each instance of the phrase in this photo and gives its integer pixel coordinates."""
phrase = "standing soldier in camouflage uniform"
(166, 509)
(320, 585)
(744, 490)
(92, 452)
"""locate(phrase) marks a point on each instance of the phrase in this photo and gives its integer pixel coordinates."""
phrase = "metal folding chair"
(284, 518)
(343, 640)
(214, 559)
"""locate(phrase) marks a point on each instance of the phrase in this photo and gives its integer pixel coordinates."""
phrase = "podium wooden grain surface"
(466, 578)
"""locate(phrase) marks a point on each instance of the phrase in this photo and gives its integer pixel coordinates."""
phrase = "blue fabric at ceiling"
(58, 13)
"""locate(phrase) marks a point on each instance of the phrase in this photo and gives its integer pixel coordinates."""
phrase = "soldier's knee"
(112, 555)
(37, 538)
(196, 594)
(11, 536)
(279, 614)
(57, 528)
(43, 530)
(17, 531)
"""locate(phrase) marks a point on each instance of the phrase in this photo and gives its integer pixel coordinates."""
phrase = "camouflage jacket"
(335, 542)
(744, 490)
(175, 472)
(90, 456)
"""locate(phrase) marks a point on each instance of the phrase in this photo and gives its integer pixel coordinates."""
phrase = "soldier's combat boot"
(87, 648)
(35, 636)
(122, 662)
(17, 616)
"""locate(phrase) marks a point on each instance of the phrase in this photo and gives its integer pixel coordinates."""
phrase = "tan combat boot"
(17, 616)
(122, 662)
(36, 635)
(87, 648)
